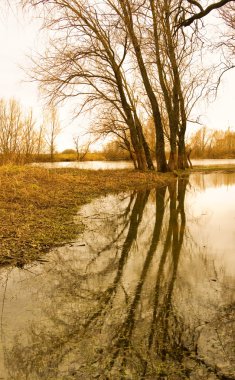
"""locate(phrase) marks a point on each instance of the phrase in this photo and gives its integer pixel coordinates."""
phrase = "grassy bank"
(38, 205)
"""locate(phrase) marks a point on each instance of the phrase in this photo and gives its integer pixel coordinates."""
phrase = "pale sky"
(19, 37)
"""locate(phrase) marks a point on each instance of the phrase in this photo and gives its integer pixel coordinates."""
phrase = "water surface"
(148, 291)
(104, 165)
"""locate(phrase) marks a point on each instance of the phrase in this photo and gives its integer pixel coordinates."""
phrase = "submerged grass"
(213, 168)
(37, 205)
(206, 170)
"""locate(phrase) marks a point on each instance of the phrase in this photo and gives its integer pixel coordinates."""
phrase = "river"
(104, 165)
(147, 292)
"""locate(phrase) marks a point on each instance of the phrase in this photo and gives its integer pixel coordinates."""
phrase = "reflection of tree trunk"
(157, 290)
(135, 219)
(159, 327)
(177, 241)
(133, 336)
(160, 208)
(125, 333)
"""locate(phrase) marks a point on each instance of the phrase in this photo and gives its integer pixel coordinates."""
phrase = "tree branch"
(204, 12)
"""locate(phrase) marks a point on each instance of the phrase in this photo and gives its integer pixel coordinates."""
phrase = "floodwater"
(147, 292)
(104, 165)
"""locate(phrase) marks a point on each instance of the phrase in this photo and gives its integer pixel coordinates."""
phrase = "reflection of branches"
(119, 321)
(135, 219)
(125, 333)
(123, 219)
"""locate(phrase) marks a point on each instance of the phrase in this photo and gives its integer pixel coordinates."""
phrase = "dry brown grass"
(37, 205)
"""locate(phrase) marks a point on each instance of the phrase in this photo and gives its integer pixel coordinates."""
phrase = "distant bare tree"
(40, 146)
(206, 143)
(52, 129)
(19, 137)
(10, 128)
(81, 148)
(30, 136)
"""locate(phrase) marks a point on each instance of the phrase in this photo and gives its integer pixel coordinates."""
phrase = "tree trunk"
(160, 143)
(148, 155)
(188, 158)
(141, 159)
(172, 162)
(160, 152)
(146, 148)
(132, 157)
(131, 153)
(181, 152)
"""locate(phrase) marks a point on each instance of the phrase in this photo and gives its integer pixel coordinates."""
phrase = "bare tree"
(206, 143)
(176, 82)
(11, 128)
(40, 145)
(52, 129)
(108, 53)
(129, 17)
(30, 136)
(19, 136)
(81, 148)
(92, 69)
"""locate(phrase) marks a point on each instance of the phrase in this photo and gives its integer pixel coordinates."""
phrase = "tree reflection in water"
(113, 313)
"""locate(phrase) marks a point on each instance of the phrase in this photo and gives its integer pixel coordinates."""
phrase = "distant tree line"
(19, 137)
(23, 140)
(207, 143)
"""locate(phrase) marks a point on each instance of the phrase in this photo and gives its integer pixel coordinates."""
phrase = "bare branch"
(204, 12)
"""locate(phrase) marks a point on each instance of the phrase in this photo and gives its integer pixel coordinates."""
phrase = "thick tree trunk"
(131, 153)
(172, 162)
(141, 159)
(160, 152)
(160, 143)
(146, 150)
(132, 157)
(148, 155)
(138, 149)
(182, 158)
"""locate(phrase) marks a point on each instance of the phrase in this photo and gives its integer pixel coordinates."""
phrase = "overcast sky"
(19, 37)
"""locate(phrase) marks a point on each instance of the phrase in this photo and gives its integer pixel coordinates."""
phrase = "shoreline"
(38, 205)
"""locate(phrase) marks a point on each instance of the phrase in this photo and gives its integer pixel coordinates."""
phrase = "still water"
(147, 292)
(104, 165)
